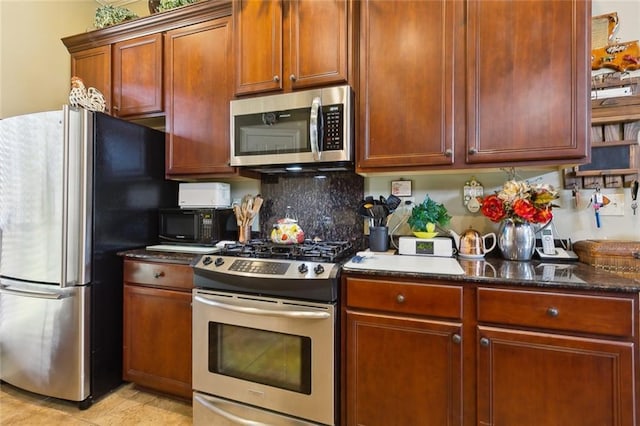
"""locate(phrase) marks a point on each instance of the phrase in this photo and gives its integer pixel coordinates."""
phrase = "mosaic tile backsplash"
(326, 207)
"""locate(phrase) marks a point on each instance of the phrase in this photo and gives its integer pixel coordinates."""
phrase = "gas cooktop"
(316, 251)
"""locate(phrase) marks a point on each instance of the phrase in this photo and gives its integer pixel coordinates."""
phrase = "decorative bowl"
(424, 234)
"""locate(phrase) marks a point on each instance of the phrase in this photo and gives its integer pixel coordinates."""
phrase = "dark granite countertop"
(492, 270)
(159, 256)
(535, 273)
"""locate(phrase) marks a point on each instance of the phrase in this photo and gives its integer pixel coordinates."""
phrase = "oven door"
(269, 353)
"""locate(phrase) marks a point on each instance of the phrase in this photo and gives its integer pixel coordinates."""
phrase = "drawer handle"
(400, 298)
(456, 338)
(553, 312)
(158, 274)
(484, 342)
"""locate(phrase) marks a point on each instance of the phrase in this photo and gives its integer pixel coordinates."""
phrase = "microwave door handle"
(268, 312)
(316, 127)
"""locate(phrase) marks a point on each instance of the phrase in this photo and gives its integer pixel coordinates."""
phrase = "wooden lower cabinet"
(527, 378)
(551, 357)
(402, 369)
(430, 352)
(157, 326)
(382, 390)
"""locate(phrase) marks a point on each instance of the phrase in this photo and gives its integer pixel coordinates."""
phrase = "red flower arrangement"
(521, 202)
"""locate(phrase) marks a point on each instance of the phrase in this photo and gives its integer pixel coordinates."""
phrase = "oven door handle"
(229, 416)
(268, 312)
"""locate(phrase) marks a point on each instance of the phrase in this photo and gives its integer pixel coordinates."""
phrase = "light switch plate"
(615, 206)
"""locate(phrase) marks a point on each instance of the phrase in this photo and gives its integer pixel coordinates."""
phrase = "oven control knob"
(303, 268)
(318, 269)
(219, 261)
(207, 260)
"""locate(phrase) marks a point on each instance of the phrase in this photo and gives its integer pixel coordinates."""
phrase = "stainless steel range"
(265, 341)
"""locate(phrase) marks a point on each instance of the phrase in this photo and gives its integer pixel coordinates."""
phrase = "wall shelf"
(615, 139)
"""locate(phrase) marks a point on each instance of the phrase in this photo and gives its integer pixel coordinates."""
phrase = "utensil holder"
(378, 238)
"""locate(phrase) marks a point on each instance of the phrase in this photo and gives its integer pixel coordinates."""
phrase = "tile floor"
(127, 405)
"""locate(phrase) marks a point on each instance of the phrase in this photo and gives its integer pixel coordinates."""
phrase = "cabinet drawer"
(158, 274)
(406, 298)
(559, 311)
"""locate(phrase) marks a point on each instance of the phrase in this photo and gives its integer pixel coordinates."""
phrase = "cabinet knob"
(276, 78)
(116, 108)
(484, 342)
(448, 153)
(473, 151)
(292, 77)
(158, 274)
(553, 312)
(456, 338)
(400, 298)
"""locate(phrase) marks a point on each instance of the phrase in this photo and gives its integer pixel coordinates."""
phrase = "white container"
(204, 195)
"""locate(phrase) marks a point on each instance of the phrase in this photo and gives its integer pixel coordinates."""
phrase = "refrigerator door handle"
(64, 253)
(37, 294)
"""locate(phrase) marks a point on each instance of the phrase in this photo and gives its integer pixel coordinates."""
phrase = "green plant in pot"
(425, 217)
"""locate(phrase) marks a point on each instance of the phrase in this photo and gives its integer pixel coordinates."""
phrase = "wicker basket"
(617, 256)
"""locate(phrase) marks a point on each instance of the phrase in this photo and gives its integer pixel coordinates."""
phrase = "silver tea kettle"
(472, 244)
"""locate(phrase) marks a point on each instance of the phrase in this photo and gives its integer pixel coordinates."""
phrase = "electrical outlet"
(615, 206)
(407, 200)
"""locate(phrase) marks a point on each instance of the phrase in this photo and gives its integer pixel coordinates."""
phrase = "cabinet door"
(527, 378)
(402, 371)
(137, 76)
(406, 95)
(316, 43)
(157, 339)
(528, 84)
(93, 66)
(257, 45)
(198, 90)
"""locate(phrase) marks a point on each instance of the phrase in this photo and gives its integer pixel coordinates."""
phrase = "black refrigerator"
(76, 188)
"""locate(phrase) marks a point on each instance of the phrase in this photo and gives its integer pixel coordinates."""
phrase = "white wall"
(34, 63)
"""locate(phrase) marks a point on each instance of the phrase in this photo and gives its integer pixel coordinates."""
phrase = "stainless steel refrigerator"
(76, 187)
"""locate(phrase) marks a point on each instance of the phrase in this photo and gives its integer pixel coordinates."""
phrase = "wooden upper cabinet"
(406, 94)
(473, 84)
(93, 66)
(316, 42)
(198, 85)
(528, 84)
(137, 76)
(257, 45)
(285, 45)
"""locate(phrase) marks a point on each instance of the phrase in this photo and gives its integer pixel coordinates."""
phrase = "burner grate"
(318, 251)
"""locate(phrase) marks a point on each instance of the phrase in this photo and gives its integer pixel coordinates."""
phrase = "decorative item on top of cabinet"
(93, 66)
(290, 44)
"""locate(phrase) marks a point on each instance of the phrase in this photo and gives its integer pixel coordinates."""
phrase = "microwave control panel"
(333, 127)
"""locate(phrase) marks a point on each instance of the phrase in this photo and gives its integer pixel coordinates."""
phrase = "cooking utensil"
(245, 213)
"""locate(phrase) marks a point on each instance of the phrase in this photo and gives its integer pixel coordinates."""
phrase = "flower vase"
(516, 240)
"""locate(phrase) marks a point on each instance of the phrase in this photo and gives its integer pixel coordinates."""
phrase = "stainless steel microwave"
(300, 129)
